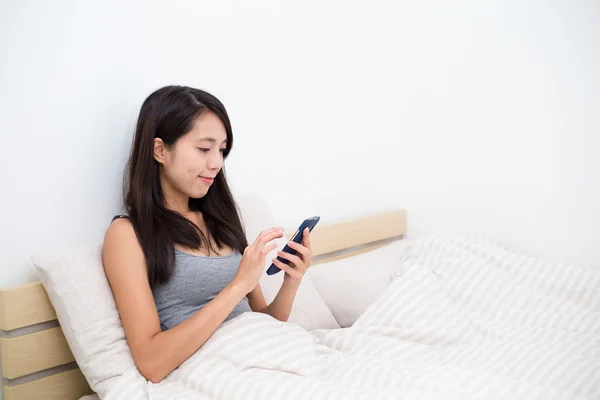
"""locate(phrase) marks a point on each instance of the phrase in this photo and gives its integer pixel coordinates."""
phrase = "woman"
(179, 264)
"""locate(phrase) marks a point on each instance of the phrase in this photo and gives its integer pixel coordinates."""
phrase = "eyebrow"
(209, 139)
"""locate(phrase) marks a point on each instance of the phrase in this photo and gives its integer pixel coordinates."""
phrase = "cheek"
(188, 163)
(193, 166)
(182, 173)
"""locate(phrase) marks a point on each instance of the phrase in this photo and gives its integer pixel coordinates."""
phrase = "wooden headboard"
(37, 362)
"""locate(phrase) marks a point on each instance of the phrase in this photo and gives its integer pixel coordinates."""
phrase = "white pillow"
(76, 284)
(309, 309)
(351, 284)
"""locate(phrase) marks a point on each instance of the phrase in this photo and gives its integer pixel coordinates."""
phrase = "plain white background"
(479, 118)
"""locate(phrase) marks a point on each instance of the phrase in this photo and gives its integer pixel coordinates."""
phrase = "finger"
(267, 249)
(307, 245)
(268, 235)
(268, 232)
(290, 257)
(301, 267)
(284, 267)
(306, 239)
(299, 248)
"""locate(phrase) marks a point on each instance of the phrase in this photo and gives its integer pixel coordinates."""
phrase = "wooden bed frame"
(37, 362)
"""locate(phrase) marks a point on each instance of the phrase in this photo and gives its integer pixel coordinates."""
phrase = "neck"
(174, 200)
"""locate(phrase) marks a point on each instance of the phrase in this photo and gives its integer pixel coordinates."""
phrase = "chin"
(198, 194)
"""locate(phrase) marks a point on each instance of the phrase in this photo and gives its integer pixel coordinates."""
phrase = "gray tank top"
(196, 281)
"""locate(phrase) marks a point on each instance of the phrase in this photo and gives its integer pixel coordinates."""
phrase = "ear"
(159, 150)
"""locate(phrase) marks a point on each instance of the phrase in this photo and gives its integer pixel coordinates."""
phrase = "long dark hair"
(168, 114)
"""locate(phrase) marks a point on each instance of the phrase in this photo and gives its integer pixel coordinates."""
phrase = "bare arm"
(281, 306)
(156, 353)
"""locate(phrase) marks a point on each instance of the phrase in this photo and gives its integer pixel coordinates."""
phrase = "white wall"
(477, 118)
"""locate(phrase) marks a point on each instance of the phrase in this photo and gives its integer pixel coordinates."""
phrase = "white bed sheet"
(462, 319)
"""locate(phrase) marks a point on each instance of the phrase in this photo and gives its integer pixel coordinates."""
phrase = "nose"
(215, 160)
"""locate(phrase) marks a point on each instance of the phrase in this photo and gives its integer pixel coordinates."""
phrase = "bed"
(37, 361)
(459, 318)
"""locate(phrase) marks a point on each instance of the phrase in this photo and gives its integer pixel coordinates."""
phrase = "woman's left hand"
(299, 263)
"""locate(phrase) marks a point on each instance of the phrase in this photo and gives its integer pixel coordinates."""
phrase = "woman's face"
(190, 166)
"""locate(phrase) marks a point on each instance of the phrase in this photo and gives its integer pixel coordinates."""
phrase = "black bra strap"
(119, 216)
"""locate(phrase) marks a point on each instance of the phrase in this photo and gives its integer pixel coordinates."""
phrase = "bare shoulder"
(119, 229)
(121, 247)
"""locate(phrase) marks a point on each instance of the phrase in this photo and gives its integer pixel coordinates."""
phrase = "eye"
(203, 150)
(224, 152)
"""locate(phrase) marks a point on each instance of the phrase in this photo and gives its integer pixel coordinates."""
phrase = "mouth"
(207, 179)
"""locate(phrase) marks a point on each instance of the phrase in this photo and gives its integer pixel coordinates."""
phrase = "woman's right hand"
(253, 260)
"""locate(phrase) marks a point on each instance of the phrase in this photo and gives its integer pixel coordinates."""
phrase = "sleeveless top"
(196, 280)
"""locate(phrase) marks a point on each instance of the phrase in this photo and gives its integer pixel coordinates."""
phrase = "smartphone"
(309, 223)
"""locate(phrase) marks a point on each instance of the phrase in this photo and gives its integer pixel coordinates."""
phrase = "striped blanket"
(462, 319)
